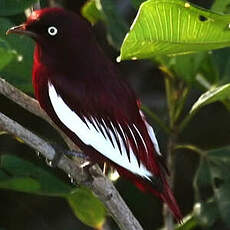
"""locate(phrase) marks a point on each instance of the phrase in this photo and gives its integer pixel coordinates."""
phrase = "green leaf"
(87, 207)
(24, 184)
(172, 27)
(185, 67)
(11, 7)
(221, 59)
(23, 176)
(209, 213)
(90, 12)
(221, 154)
(219, 165)
(116, 26)
(213, 95)
(3, 175)
(214, 171)
(20, 175)
(6, 54)
(189, 223)
(19, 70)
(202, 178)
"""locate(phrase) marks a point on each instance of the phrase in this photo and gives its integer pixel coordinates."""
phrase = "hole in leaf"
(202, 18)
(218, 182)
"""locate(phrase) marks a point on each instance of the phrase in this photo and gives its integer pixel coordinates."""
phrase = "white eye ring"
(52, 30)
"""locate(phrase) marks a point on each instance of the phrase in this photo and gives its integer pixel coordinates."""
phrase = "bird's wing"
(121, 136)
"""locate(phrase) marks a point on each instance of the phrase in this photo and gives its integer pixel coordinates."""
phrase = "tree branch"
(99, 184)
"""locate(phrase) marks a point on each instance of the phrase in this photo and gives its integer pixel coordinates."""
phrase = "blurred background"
(209, 129)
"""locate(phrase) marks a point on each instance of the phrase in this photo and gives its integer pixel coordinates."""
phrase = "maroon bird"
(80, 89)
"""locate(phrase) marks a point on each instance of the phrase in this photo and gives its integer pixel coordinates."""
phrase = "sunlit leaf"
(216, 94)
(87, 207)
(171, 27)
(90, 12)
(11, 7)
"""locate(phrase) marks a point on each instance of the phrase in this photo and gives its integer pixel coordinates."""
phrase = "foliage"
(163, 31)
(171, 27)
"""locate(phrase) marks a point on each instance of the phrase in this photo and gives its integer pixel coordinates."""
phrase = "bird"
(82, 91)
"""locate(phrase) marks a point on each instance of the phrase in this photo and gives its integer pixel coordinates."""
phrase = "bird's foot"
(59, 152)
(77, 154)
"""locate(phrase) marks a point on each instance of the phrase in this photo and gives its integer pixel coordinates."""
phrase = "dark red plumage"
(71, 74)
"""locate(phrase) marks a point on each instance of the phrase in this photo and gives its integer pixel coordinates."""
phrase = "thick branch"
(100, 185)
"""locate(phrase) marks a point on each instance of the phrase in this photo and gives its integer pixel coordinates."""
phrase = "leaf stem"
(191, 147)
(186, 120)
(169, 94)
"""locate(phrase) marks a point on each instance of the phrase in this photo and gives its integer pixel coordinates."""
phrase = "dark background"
(20, 211)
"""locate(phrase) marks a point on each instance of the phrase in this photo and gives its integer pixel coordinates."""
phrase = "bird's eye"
(52, 30)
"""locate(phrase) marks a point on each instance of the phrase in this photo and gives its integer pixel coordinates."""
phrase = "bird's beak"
(21, 30)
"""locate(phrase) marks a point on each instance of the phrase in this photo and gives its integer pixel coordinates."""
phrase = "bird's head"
(56, 29)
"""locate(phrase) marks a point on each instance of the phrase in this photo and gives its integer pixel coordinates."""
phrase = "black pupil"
(52, 30)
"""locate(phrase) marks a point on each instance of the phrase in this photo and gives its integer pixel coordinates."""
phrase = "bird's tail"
(164, 193)
(158, 186)
(168, 197)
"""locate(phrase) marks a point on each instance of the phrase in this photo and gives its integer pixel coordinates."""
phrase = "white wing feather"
(90, 136)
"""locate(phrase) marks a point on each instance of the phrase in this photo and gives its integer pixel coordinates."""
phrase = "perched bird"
(80, 89)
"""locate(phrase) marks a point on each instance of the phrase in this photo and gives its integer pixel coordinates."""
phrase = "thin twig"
(100, 185)
(41, 146)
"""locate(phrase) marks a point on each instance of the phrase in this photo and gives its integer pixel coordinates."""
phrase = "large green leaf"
(19, 70)
(87, 207)
(23, 176)
(171, 27)
(215, 94)
(11, 7)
